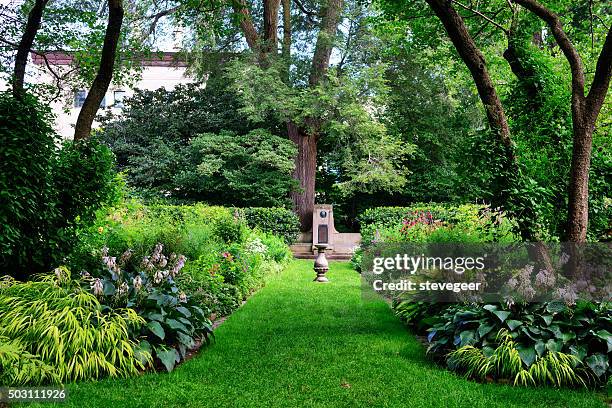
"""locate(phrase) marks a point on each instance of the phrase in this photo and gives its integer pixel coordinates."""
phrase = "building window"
(119, 96)
(79, 98)
(103, 103)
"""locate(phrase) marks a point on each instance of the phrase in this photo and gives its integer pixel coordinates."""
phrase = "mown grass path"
(296, 343)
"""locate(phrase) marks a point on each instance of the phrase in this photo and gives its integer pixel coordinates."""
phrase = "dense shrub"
(192, 143)
(435, 223)
(276, 220)
(187, 230)
(251, 169)
(232, 230)
(53, 323)
(27, 158)
(47, 189)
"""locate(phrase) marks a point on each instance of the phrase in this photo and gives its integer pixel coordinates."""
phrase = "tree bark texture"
(105, 71)
(305, 172)
(270, 26)
(474, 60)
(306, 138)
(25, 45)
(286, 47)
(331, 12)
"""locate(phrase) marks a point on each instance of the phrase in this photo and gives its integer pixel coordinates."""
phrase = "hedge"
(388, 216)
(276, 220)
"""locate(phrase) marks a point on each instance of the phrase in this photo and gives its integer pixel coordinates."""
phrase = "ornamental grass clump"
(58, 332)
(505, 363)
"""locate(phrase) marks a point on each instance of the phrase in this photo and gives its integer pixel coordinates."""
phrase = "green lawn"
(296, 343)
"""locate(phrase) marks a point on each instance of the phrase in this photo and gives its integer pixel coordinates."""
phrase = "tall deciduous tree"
(265, 46)
(585, 110)
(105, 72)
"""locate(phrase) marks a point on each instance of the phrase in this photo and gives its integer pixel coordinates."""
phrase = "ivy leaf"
(547, 319)
(540, 347)
(142, 351)
(527, 354)
(605, 335)
(501, 314)
(556, 307)
(184, 311)
(485, 329)
(554, 346)
(578, 351)
(490, 308)
(466, 337)
(176, 325)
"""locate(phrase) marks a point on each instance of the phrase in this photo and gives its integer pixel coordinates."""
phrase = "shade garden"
(160, 167)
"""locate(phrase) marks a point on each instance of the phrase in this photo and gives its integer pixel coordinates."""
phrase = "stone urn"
(321, 266)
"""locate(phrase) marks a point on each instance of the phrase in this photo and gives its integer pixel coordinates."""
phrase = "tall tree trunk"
(475, 61)
(496, 116)
(585, 111)
(246, 24)
(25, 45)
(306, 138)
(305, 172)
(286, 49)
(270, 26)
(331, 11)
(105, 72)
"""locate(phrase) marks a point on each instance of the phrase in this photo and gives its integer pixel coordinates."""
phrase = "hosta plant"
(174, 321)
(582, 330)
(504, 362)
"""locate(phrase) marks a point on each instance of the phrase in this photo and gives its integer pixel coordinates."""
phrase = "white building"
(158, 71)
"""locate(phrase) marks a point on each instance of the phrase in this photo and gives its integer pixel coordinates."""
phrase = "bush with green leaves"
(231, 230)
(174, 322)
(504, 362)
(192, 143)
(276, 220)
(48, 189)
(435, 223)
(201, 233)
(55, 331)
(251, 169)
(582, 331)
(182, 229)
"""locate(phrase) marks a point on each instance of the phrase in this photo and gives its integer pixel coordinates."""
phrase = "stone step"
(330, 257)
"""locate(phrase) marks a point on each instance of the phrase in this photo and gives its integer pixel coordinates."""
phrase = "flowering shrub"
(255, 246)
(174, 322)
(435, 223)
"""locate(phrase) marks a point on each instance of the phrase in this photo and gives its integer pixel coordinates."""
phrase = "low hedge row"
(276, 220)
(387, 216)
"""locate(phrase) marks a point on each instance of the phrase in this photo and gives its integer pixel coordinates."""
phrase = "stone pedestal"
(321, 266)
